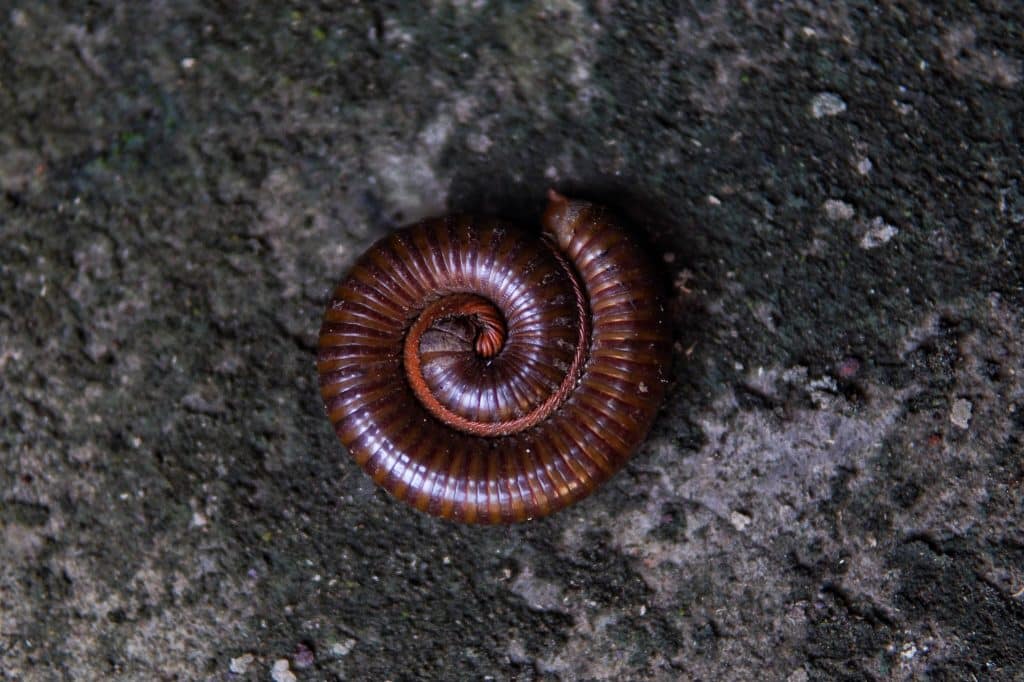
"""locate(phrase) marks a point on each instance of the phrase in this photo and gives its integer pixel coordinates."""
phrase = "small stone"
(837, 210)
(280, 671)
(739, 520)
(879, 232)
(341, 649)
(960, 414)
(827, 104)
(240, 665)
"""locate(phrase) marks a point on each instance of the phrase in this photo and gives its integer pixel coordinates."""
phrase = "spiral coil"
(489, 376)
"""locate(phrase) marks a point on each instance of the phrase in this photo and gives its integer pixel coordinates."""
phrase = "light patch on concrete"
(837, 210)
(966, 60)
(408, 176)
(539, 594)
(876, 233)
(827, 104)
(960, 413)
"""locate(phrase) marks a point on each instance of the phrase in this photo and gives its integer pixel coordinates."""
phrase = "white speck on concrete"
(280, 671)
(878, 232)
(960, 414)
(739, 520)
(827, 104)
(863, 165)
(902, 108)
(837, 210)
(240, 665)
(342, 649)
(825, 383)
(822, 391)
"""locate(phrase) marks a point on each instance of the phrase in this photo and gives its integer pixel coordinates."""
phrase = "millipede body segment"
(489, 375)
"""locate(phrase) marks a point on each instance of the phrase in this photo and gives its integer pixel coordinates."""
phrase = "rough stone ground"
(834, 487)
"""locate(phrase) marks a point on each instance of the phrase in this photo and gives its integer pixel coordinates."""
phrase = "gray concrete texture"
(833, 489)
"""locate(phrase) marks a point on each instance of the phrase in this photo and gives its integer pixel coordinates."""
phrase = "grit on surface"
(833, 489)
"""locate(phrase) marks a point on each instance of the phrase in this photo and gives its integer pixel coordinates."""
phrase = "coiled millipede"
(488, 375)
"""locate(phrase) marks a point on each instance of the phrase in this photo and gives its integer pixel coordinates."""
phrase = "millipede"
(487, 374)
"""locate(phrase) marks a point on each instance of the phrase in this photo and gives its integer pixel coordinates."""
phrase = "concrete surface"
(833, 489)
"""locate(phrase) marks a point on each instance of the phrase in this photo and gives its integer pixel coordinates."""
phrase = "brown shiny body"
(486, 375)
